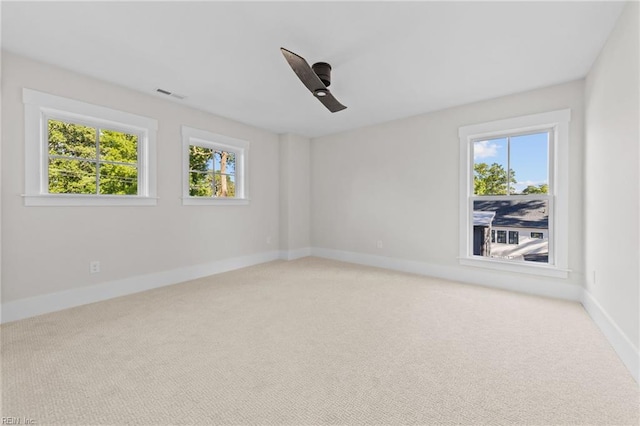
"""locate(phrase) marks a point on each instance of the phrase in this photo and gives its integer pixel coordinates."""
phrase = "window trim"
(206, 139)
(558, 123)
(40, 106)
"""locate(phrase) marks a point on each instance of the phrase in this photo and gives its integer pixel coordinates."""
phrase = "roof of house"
(483, 218)
(515, 214)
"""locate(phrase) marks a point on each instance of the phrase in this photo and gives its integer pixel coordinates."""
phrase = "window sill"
(206, 201)
(515, 266)
(88, 200)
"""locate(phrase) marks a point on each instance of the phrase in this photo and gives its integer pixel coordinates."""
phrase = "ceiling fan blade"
(303, 70)
(311, 80)
(331, 103)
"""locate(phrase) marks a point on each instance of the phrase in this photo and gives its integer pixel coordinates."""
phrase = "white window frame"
(39, 107)
(203, 138)
(557, 122)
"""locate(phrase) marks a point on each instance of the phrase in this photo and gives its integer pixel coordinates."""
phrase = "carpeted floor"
(314, 341)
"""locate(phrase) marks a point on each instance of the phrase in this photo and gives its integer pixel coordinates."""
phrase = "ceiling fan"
(316, 78)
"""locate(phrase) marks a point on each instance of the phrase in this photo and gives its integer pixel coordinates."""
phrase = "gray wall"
(398, 182)
(612, 213)
(295, 195)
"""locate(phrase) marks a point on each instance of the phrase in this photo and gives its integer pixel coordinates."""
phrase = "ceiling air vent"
(173, 95)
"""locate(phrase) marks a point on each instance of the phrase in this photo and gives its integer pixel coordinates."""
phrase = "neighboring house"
(517, 230)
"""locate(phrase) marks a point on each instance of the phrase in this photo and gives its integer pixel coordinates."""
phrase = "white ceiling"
(389, 59)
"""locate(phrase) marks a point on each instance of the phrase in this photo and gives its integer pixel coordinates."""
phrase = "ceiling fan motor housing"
(323, 71)
(315, 78)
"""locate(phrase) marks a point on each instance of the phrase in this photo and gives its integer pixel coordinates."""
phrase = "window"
(211, 172)
(91, 160)
(83, 154)
(537, 235)
(214, 168)
(493, 235)
(516, 169)
(513, 238)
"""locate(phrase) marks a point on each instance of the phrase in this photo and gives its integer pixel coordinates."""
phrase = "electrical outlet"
(379, 244)
(94, 266)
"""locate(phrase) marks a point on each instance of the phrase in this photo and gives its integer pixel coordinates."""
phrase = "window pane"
(530, 163)
(231, 184)
(231, 163)
(72, 177)
(490, 167)
(117, 179)
(225, 185)
(118, 146)
(225, 162)
(200, 158)
(521, 221)
(200, 184)
(71, 140)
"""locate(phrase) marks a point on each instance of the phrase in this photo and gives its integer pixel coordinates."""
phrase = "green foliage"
(492, 179)
(72, 177)
(74, 163)
(199, 180)
(205, 180)
(120, 148)
(540, 189)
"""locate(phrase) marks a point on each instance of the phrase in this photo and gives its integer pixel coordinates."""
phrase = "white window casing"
(557, 122)
(39, 107)
(206, 139)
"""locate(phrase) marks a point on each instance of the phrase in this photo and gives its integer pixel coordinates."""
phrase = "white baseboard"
(295, 253)
(38, 305)
(627, 352)
(540, 286)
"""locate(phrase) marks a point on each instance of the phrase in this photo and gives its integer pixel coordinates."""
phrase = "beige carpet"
(315, 341)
